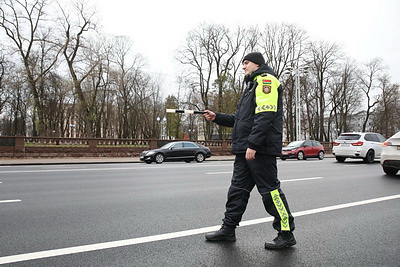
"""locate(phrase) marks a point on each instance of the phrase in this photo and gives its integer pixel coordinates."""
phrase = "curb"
(77, 161)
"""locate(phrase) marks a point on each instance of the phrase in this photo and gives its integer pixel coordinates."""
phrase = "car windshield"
(296, 143)
(166, 146)
(349, 137)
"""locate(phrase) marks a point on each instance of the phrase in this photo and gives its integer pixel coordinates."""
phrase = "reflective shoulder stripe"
(267, 93)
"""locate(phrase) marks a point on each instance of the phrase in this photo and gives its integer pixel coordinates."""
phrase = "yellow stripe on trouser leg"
(280, 207)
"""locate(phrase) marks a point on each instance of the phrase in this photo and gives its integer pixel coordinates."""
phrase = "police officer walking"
(256, 142)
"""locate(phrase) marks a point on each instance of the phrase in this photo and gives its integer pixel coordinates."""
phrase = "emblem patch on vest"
(266, 89)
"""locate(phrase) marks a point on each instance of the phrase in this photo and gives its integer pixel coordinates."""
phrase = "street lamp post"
(298, 72)
(162, 122)
(72, 129)
(298, 120)
(192, 134)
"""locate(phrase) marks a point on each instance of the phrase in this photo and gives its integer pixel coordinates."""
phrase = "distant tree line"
(60, 76)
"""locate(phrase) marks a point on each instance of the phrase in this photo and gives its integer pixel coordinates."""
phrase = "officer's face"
(249, 67)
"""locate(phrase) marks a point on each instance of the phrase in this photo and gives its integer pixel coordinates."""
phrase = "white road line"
(212, 173)
(110, 169)
(289, 180)
(146, 239)
(68, 170)
(10, 201)
(302, 179)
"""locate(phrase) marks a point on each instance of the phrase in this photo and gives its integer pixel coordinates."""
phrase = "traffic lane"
(105, 229)
(152, 207)
(110, 166)
(185, 185)
(356, 236)
(339, 181)
(334, 184)
(61, 210)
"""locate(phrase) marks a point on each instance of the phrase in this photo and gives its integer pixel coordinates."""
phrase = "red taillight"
(335, 144)
(384, 144)
(359, 143)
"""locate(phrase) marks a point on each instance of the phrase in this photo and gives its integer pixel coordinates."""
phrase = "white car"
(366, 146)
(390, 157)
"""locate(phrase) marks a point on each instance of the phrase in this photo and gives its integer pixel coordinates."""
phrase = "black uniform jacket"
(252, 126)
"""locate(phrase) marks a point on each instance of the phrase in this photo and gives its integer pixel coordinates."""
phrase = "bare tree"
(344, 95)
(76, 50)
(369, 84)
(210, 51)
(386, 115)
(3, 94)
(17, 104)
(283, 45)
(56, 101)
(127, 69)
(149, 104)
(25, 25)
(323, 62)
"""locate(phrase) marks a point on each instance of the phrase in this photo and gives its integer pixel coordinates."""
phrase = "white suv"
(367, 146)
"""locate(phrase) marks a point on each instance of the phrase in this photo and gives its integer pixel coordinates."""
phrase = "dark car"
(182, 150)
(303, 150)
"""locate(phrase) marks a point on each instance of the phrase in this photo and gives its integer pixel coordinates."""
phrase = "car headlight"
(150, 153)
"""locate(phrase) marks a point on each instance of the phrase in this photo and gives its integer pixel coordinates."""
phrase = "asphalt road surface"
(133, 214)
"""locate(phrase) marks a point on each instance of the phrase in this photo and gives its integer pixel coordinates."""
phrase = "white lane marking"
(68, 170)
(10, 201)
(302, 179)
(109, 169)
(354, 165)
(146, 239)
(289, 180)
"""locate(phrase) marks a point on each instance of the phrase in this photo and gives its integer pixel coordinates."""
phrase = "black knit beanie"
(255, 57)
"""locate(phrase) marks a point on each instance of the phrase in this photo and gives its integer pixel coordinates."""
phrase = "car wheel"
(321, 155)
(390, 171)
(159, 158)
(187, 160)
(283, 159)
(300, 155)
(200, 157)
(340, 159)
(148, 161)
(369, 158)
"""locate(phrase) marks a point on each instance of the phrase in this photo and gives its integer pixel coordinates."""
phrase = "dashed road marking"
(10, 201)
(288, 180)
(302, 179)
(212, 173)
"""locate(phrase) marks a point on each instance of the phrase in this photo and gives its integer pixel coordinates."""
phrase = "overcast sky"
(365, 29)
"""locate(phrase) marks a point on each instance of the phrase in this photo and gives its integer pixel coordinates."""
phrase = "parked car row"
(356, 145)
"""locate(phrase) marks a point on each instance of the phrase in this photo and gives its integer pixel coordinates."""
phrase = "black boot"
(283, 240)
(224, 234)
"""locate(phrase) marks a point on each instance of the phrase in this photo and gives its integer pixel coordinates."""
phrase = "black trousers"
(263, 173)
